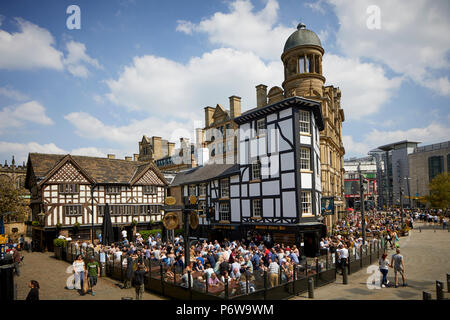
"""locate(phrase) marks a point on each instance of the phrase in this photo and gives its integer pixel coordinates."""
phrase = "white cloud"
(77, 60)
(433, 133)
(21, 150)
(30, 48)
(162, 86)
(412, 39)
(316, 6)
(33, 48)
(365, 87)
(243, 29)
(89, 127)
(12, 94)
(16, 116)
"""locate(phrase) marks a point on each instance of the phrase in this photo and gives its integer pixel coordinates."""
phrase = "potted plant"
(59, 244)
(76, 227)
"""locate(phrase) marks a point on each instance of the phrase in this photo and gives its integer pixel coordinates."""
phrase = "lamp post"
(92, 202)
(409, 191)
(401, 205)
(361, 201)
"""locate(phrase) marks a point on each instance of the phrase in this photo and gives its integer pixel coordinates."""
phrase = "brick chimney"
(157, 148)
(261, 95)
(136, 156)
(111, 156)
(171, 148)
(235, 106)
(128, 158)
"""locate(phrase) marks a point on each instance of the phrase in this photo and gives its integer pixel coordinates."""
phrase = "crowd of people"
(240, 264)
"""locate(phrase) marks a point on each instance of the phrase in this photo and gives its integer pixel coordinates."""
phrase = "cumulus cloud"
(162, 86)
(21, 150)
(365, 87)
(411, 40)
(89, 127)
(433, 133)
(243, 29)
(77, 61)
(16, 116)
(30, 48)
(33, 47)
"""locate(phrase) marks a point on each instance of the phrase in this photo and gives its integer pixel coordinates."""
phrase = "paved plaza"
(427, 259)
(51, 275)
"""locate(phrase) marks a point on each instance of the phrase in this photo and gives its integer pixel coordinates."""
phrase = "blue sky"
(149, 67)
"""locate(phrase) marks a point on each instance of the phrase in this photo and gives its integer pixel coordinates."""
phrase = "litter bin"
(6, 282)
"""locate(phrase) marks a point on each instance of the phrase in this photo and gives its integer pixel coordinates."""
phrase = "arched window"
(301, 65)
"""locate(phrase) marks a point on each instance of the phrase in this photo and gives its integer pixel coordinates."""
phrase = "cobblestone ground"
(427, 259)
(51, 275)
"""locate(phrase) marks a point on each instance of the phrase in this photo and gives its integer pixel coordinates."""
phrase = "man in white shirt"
(343, 256)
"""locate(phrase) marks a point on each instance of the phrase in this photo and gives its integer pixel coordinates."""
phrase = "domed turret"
(302, 59)
(302, 37)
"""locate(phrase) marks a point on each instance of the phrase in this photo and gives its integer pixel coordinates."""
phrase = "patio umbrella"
(350, 209)
(107, 230)
(2, 226)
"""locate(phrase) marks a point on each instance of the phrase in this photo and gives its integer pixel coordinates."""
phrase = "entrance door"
(311, 241)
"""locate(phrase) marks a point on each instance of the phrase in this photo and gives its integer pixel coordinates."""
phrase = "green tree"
(13, 200)
(439, 197)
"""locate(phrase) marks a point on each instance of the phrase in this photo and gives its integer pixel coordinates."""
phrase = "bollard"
(439, 290)
(448, 282)
(310, 288)
(426, 295)
(344, 275)
(420, 229)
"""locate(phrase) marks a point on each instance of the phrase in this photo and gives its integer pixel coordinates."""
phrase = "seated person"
(213, 281)
(199, 266)
(235, 274)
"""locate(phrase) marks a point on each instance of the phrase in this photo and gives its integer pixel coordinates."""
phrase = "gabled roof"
(99, 170)
(219, 111)
(283, 104)
(204, 173)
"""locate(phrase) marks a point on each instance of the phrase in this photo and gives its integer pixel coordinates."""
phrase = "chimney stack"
(128, 158)
(171, 148)
(199, 137)
(235, 106)
(261, 95)
(111, 156)
(208, 116)
(136, 156)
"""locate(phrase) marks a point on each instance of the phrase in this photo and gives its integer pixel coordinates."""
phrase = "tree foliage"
(439, 197)
(12, 199)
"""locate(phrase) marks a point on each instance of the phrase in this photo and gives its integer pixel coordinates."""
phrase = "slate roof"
(204, 173)
(102, 170)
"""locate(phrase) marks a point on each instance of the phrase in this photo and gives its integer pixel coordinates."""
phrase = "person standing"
(33, 295)
(124, 234)
(398, 263)
(93, 270)
(78, 269)
(139, 281)
(342, 257)
(274, 269)
(16, 260)
(129, 272)
(384, 269)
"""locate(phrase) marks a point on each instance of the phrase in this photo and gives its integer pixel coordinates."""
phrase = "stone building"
(304, 77)
(15, 175)
(219, 133)
(425, 163)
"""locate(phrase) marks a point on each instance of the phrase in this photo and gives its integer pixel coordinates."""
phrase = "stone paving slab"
(427, 259)
(51, 275)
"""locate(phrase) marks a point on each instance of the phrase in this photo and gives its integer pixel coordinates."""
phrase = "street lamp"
(401, 205)
(41, 217)
(361, 201)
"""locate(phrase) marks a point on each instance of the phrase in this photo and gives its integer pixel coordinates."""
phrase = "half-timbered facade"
(71, 190)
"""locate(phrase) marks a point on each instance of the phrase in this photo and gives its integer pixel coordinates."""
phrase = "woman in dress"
(78, 269)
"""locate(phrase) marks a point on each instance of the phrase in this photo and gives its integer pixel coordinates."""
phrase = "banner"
(327, 206)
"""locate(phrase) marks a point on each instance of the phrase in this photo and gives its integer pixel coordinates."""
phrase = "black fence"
(180, 284)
